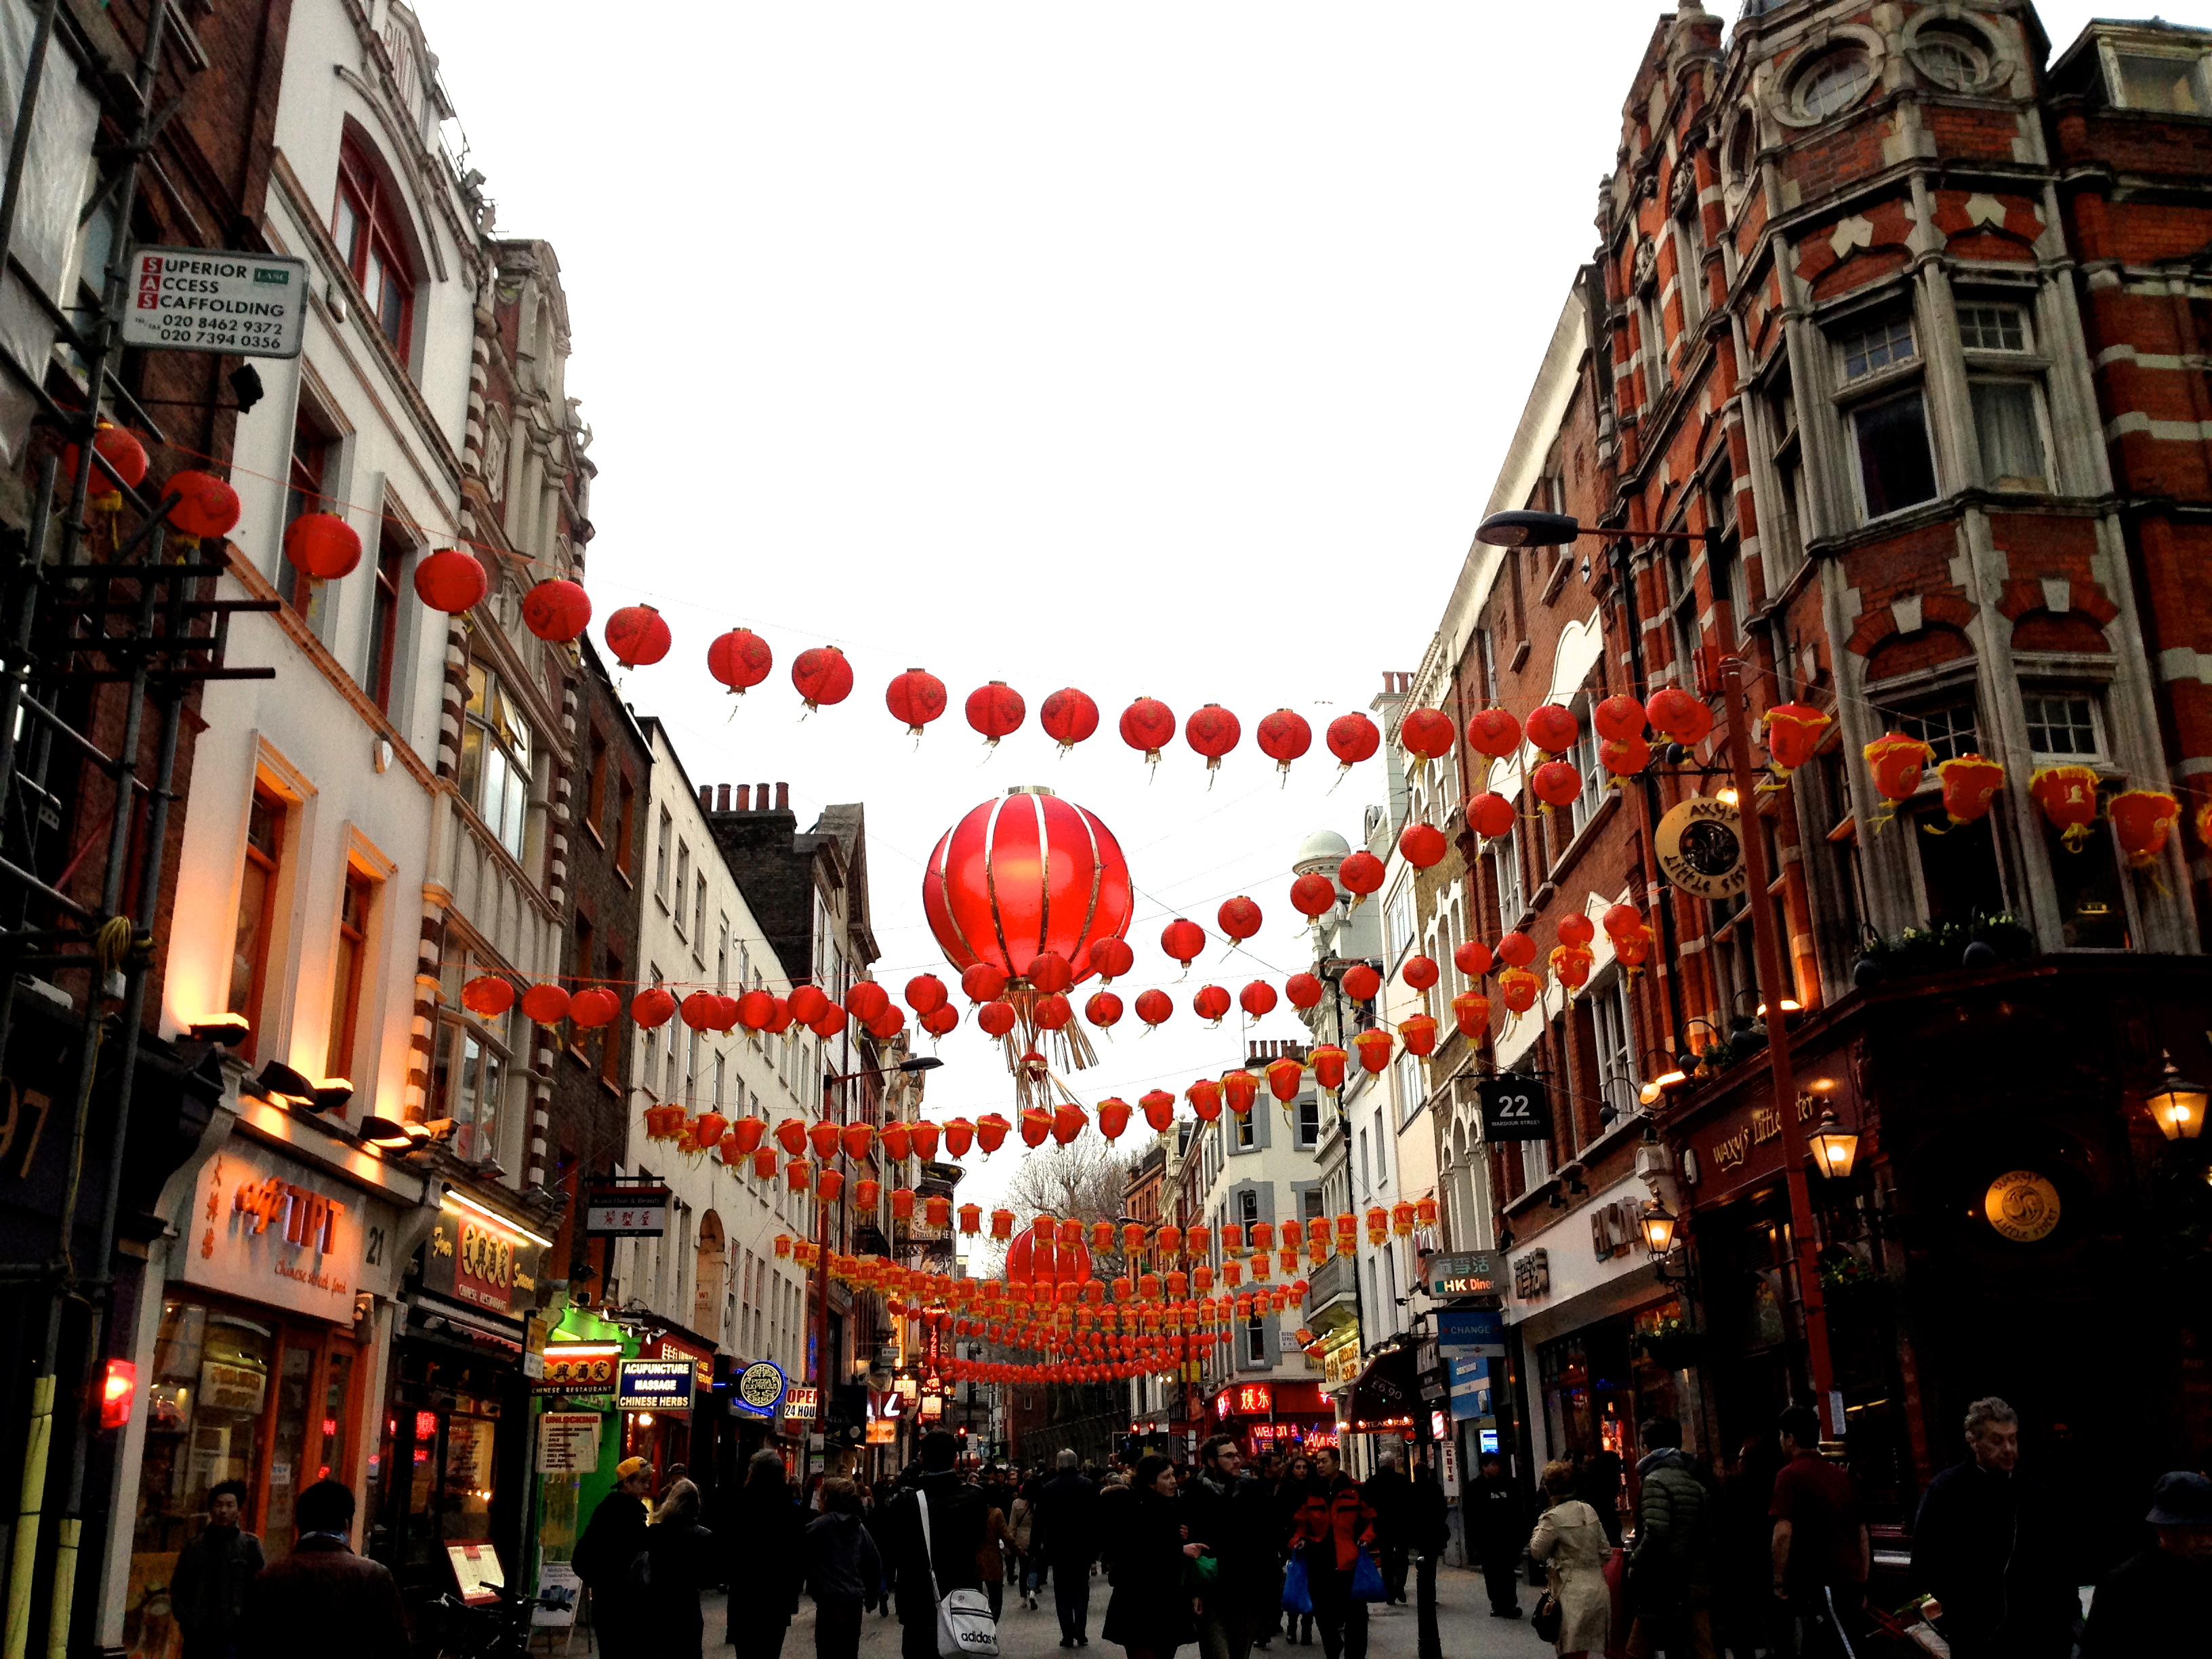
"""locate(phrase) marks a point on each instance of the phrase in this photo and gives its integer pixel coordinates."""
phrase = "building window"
(346, 974)
(1992, 328)
(1247, 1136)
(384, 622)
(699, 915)
(1883, 346)
(304, 492)
(1309, 1122)
(1583, 757)
(1247, 1205)
(1949, 729)
(2093, 908)
(365, 227)
(664, 842)
(595, 787)
(1612, 1027)
(1412, 1091)
(683, 878)
(2062, 726)
(1255, 1341)
(2167, 85)
(468, 1081)
(257, 911)
(625, 823)
(1682, 605)
(2009, 427)
(495, 760)
(1506, 861)
(1949, 59)
(1835, 83)
(1896, 468)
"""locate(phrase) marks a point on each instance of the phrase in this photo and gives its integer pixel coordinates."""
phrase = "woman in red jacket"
(1334, 1523)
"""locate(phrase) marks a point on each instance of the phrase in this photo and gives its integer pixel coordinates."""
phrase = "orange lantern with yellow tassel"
(1374, 1049)
(1471, 1013)
(1418, 1034)
(1793, 731)
(1571, 965)
(1970, 783)
(2142, 820)
(1425, 1211)
(1518, 988)
(1402, 1219)
(2068, 796)
(1329, 1061)
(1896, 764)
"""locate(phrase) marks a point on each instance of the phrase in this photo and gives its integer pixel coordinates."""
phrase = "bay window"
(495, 760)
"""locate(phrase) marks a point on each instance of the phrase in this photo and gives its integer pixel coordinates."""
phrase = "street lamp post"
(1530, 529)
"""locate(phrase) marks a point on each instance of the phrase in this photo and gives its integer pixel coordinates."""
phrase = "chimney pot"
(744, 798)
(706, 796)
(783, 798)
(760, 796)
(722, 801)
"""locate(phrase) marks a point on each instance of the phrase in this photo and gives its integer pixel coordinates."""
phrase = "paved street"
(1468, 1631)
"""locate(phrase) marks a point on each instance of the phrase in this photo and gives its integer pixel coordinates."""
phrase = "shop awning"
(1387, 1392)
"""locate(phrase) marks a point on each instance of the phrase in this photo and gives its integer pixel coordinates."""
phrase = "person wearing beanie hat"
(2160, 1600)
(610, 1542)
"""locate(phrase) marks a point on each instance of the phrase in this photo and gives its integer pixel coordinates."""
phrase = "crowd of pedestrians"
(1771, 1557)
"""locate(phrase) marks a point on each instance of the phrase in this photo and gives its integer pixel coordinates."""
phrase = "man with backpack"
(927, 1563)
(609, 1543)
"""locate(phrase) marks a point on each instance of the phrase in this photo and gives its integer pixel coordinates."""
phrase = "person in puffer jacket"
(1670, 1570)
(844, 1573)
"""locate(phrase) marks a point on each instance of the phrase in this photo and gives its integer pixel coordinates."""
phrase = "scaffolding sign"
(239, 305)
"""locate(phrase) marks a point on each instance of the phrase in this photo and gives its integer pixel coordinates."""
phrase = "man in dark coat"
(1334, 1524)
(602, 1558)
(1985, 1545)
(2161, 1600)
(207, 1592)
(1233, 1516)
(322, 1598)
(1067, 1509)
(766, 1532)
(957, 1519)
(1497, 1532)
(1671, 1571)
(1390, 1496)
(1428, 1534)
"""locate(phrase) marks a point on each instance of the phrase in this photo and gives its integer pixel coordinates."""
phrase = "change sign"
(191, 299)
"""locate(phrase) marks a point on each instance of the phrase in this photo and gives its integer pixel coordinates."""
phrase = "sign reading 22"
(1514, 1109)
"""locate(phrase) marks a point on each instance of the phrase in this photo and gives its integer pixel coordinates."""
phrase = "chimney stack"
(744, 798)
(706, 796)
(783, 798)
(722, 804)
(760, 797)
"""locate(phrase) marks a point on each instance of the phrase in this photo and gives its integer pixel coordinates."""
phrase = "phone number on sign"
(191, 334)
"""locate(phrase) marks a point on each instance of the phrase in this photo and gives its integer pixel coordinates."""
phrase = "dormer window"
(2169, 86)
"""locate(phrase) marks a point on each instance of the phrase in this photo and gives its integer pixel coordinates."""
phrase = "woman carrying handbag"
(1577, 1612)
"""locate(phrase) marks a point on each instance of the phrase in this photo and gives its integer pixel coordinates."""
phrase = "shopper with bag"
(1336, 1537)
(1576, 1615)
(936, 1527)
(1156, 1590)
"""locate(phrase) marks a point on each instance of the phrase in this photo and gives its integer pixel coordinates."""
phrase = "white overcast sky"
(1165, 348)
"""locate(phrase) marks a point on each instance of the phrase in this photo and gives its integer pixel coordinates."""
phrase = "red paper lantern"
(828, 1184)
(1678, 716)
(1517, 949)
(1373, 1047)
(1154, 1006)
(867, 1194)
(1053, 1012)
(1420, 1036)
(1556, 783)
(1471, 1012)
(867, 1000)
(1067, 1123)
(1489, 816)
(1519, 989)
(1472, 958)
(1792, 731)
(2142, 819)
(822, 675)
(995, 710)
(322, 546)
(791, 1135)
(451, 581)
(917, 697)
(1210, 1002)
(831, 1023)
(1361, 873)
(1239, 918)
(122, 451)
(1353, 738)
(1422, 845)
(1213, 732)
(1183, 940)
(1420, 972)
(1896, 763)
(556, 611)
(982, 982)
(1159, 1107)
(652, 1006)
(939, 1021)
(1617, 718)
(996, 1019)
(1257, 1000)
(822, 1135)
(739, 660)
(1025, 874)
(1361, 982)
(1576, 928)
(1283, 737)
(1150, 725)
(1069, 716)
(591, 1009)
(1285, 1077)
(547, 1005)
(1303, 990)
(1111, 959)
(488, 995)
(1104, 1009)
(857, 1140)
(898, 1141)
(924, 992)
(1493, 732)
(755, 1010)
(1204, 1099)
(1571, 965)
(1427, 734)
(1969, 783)
(206, 506)
(1624, 758)
(2068, 796)
(749, 1133)
(1313, 895)
(1239, 1089)
(637, 636)
(1112, 1120)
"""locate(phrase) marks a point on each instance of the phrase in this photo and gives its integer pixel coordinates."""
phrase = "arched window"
(367, 226)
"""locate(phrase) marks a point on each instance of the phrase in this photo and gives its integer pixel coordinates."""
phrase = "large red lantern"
(1353, 738)
(451, 581)
(1211, 1003)
(1556, 783)
(1426, 734)
(2068, 796)
(1519, 989)
(1022, 875)
(739, 660)
(1159, 1109)
(1213, 730)
(1150, 725)
(1154, 1006)
(206, 506)
(488, 995)
(2142, 820)
(1471, 1012)
(822, 675)
(1489, 816)
(1793, 730)
(1420, 972)
(637, 636)
(1896, 764)
(1183, 940)
(1069, 716)
(1373, 1047)
(1552, 729)
(123, 454)
(1422, 845)
(654, 1005)
(556, 611)
(1303, 990)
(1624, 758)
(1102, 1009)
(995, 710)
(322, 546)
(917, 697)
(1472, 958)
(591, 1009)
(1361, 873)
(1617, 718)
(1418, 1034)
(1313, 895)
(547, 1005)
(1969, 783)
(1257, 1000)
(1361, 982)
(1283, 737)
(1238, 918)
(1678, 716)
(1493, 732)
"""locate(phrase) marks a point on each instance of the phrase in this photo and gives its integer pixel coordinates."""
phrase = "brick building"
(1898, 327)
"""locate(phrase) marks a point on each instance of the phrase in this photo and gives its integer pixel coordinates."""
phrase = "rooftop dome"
(1323, 851)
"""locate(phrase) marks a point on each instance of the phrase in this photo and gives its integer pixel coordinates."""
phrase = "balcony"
(1331, 1282)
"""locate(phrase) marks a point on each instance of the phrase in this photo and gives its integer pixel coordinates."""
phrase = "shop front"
(579, 1433)
(1288, 1418)
(260, 1366)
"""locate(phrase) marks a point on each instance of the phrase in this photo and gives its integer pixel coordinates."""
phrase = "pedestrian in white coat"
(1570, 1540)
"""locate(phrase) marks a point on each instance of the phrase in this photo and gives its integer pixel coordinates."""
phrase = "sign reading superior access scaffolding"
(190, 299)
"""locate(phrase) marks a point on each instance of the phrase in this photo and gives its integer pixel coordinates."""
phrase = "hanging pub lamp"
(1835, 1148)
(2176, 1105)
